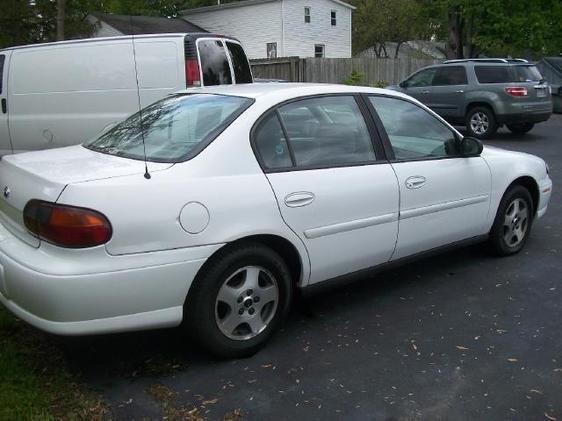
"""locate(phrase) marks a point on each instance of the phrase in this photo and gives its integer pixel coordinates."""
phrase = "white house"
(281, 28)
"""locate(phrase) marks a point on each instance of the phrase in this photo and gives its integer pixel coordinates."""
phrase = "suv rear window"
(493, 74)
(242, 72)
(173, 129)
(214, 63)
(2, 58)
(527, 73)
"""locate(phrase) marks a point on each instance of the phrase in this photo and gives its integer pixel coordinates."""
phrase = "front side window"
(174, 129)
(214, 63)
(422, 78)
(271, 50)
(307, 15)
(413, 132)
(327, 131)
(450, 75)
(319, 50)
(493, 74)
(240, 64)
(333, 17)
(2, 58)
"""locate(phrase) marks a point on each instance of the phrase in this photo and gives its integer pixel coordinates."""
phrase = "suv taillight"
(192, 77)
(66, 226)
(516, 90)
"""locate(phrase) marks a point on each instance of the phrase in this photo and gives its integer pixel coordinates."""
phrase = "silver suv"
(483, 94)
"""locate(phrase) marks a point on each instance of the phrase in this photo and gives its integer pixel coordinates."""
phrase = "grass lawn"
(35, 383)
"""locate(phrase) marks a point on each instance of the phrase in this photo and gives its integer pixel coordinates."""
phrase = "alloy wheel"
(479, 123)
(516, 222)
(246, 303)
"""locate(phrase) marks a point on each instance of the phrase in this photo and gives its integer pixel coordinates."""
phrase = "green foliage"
(380, 84)
(355, 78)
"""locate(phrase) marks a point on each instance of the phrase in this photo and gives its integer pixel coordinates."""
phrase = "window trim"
(376, 141)
(267, 44)
(307, 14)
(386, 141)
(333, 17)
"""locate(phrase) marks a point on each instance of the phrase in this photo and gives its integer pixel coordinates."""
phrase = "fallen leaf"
(512, 360)
(535, 391)
(462, 348)
(549, 417)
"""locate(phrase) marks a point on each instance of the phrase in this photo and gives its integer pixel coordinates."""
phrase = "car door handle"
(298, 199)
(460, 91)
(424, 92)
(415, 182)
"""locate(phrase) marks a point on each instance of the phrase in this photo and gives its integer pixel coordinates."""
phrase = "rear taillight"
(192, 77)
(66, 226)
(516, 90)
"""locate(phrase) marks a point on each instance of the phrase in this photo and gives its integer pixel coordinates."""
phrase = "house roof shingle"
(134, 25)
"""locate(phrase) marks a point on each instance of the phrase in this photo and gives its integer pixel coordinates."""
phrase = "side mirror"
(470, 146)
(403, 84)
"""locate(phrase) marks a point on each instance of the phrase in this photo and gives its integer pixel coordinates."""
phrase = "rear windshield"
(527, 74)
(174, 129)
(214, 63)
(493, 74)
(2, 58)
(242, 72)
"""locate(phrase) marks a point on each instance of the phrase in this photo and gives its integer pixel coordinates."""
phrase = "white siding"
(254, 25)
(300, 37)
(282, 22)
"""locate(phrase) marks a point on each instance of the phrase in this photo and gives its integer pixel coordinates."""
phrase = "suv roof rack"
(487, 60)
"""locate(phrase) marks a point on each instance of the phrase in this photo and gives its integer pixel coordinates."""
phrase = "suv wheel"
(520, 128)
(239, 301)
(481, 123)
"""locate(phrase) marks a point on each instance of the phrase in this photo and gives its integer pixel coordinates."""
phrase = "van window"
(214, 63)
(2, 58)
(242, 72)
(527, 73)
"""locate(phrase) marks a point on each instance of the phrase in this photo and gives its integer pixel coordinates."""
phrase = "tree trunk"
(60, 19)
(398, 44)
(454, 48)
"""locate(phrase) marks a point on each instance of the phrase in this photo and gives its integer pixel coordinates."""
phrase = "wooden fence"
(336, 70)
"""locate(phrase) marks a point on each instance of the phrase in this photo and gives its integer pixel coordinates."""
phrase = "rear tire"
(520, 128)
(239, 300)
(481, 122)
(513, 222)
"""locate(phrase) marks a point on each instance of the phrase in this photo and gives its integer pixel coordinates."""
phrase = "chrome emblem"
(7, 192)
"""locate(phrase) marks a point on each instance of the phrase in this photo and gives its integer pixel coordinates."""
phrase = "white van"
(63, 93)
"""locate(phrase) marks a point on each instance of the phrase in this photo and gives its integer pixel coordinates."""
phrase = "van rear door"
(5, 144)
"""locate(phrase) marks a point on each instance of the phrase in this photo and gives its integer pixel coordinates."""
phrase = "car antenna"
(146, 173)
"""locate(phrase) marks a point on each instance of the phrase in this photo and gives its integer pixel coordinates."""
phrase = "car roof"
(284, 91)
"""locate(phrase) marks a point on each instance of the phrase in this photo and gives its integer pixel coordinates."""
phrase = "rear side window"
(2, 58)
(214, 63)
(242, 72)
(527, 74)
(450, 75)
(327, 131)
(493, 74)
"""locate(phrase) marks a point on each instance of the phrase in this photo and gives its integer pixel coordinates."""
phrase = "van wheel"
(513, 222)
(481, 123)
(238, 301)
(520, 128)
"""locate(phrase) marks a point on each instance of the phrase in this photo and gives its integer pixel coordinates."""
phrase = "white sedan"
(211, 207)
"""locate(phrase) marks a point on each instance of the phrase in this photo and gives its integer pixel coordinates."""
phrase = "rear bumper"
(527, 117)
(67, 292)
(525, 112)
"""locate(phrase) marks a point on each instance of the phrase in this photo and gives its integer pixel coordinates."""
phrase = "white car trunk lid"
(44, 175)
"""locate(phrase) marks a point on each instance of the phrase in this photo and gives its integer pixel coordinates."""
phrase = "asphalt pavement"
(460, 336)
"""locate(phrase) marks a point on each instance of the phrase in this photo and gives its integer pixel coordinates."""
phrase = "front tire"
(513, 221)
(520, 128)
(481, 123)
(239, 300)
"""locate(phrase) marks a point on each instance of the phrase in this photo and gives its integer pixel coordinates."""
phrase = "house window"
(307, 15)
(271, 50)
(319, 50)
(333, 17)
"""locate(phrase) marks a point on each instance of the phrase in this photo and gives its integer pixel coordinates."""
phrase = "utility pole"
(60, 19)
